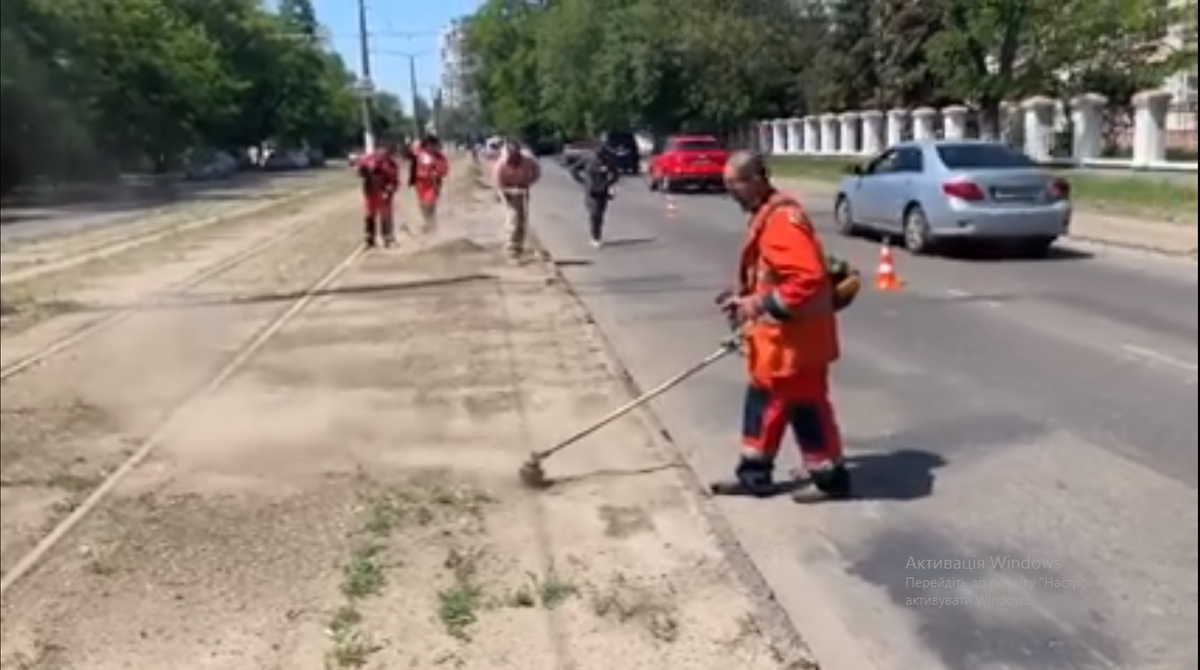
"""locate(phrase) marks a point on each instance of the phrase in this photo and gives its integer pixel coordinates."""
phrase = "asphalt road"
(1024, 435)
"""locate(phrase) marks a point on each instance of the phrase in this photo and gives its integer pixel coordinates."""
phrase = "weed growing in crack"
(460, 603)
(459, 606)
(350, 649)
(363, 576)
(553, 590)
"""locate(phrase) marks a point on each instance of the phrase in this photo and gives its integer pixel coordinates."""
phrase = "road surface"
(1024, 435)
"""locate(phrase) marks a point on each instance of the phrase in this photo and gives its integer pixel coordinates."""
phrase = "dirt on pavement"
(349, 498)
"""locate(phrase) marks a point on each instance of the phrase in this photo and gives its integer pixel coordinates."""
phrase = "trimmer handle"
(722, 301)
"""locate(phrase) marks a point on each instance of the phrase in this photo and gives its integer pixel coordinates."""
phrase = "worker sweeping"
(515, 173)
(785, 307)
(379, 172)
(429, 171)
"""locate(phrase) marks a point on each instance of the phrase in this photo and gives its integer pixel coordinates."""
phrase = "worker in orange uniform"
(429, 170)
(785, 309)
(379, 172)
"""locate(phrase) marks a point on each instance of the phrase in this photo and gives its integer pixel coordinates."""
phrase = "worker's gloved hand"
(733, 308)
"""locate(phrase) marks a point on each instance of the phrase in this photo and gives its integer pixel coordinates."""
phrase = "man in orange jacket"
(429, 169)
(785, 305)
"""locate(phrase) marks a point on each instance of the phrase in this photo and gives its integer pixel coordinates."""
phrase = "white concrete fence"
(1036, 122)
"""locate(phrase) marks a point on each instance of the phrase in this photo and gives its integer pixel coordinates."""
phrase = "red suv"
(688, 161)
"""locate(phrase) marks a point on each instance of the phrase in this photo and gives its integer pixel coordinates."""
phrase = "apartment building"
(456, 66)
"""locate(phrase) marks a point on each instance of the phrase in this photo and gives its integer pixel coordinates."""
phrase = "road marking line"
(1159, 357)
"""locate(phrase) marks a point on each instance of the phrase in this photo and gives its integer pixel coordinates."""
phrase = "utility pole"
(412, 83)
(366, 86)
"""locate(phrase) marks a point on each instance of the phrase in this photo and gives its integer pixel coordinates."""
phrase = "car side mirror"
(856, 170)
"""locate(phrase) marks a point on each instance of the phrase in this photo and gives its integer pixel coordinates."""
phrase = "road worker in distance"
(429, 171)
(379, 172)
(515, 173)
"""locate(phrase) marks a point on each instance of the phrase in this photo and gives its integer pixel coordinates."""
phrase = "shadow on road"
(627, 242)
(896, 476)
(991, 254)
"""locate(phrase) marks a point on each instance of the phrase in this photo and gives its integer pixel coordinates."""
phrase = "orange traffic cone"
(886, 278)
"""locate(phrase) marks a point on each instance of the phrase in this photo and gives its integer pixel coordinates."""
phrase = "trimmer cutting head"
(533, 475)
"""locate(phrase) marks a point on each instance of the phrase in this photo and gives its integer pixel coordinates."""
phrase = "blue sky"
(397, 27)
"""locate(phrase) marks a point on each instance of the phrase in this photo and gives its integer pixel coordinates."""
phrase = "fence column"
(1087, 119)
(897, 123)
(924, 124)
(1150, 127)
(872, 131)
(778, 138)
(1039, 127)
(954, 119)
(812, 135)
(829, 134)
(849, 141)
(794, 134)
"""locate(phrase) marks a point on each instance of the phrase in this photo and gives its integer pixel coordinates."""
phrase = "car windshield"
(696, 145)
(986, 156)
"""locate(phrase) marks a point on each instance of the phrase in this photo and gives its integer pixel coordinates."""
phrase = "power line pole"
(412, 83)
(366, 86)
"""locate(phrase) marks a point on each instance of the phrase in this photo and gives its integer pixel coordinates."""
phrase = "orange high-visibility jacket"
(431, 166)
(783, 264)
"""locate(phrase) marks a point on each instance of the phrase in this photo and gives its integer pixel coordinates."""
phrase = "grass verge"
(1145, 195)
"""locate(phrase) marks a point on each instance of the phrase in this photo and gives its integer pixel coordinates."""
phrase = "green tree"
(93, 87)
(1001, 50)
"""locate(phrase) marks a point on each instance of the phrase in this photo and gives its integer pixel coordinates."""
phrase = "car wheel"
(667, 185)
(651, 182)
(917, 237)
(844, 217)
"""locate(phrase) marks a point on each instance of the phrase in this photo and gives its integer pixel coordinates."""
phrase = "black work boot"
(756, 477)
(833, 481)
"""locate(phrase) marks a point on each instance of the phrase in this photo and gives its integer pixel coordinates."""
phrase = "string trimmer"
(533, 474)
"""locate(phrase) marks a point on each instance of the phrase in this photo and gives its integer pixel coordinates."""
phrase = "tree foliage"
(93, 87)
(576, 66)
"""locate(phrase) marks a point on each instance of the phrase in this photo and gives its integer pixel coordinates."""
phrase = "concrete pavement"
(1024, 435)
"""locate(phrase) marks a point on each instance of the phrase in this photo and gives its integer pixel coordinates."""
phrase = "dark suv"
(624, 148)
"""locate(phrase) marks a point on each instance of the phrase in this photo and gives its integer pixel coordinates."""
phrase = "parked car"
(281, 160)
(624, 148)
(688, 161)
(206, 165)
(934, 192)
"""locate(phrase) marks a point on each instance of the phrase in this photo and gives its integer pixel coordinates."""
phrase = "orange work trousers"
(801, 403)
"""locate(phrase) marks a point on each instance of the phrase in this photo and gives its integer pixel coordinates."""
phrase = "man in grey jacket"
(598, 173)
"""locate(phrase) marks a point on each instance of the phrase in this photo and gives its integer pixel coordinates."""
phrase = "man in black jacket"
(598, 173)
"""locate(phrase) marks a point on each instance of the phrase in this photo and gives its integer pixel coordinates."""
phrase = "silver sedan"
(933, 192)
